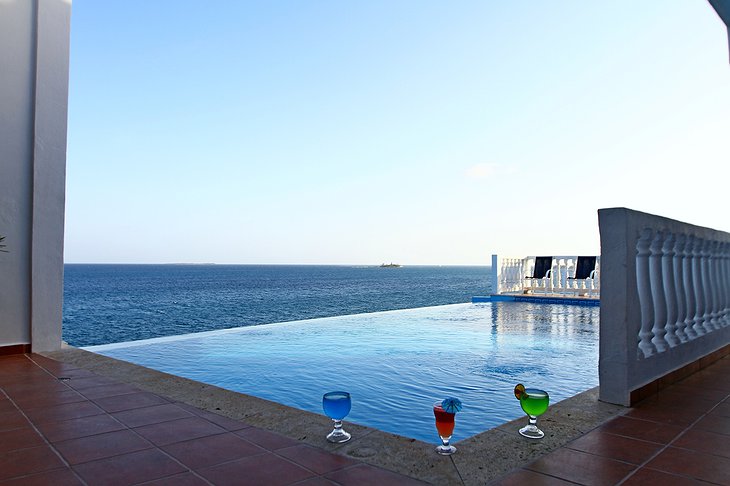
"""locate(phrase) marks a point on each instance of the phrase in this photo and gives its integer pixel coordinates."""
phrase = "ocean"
(108, 303)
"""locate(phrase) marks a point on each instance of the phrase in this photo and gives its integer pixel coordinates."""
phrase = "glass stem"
(338, 424)
(533, 420)
(446, 440)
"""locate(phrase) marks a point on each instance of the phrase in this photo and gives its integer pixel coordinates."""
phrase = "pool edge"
(481, 459)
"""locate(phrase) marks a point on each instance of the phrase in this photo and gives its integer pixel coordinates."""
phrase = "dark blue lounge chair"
(585, 268)
(543, 267)
(541, 271)
(585, 271)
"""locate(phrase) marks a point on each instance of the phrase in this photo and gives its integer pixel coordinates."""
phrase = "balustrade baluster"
(504, 276)
(513, 277)
(688, 266)
(520, 277)
(724, 284)
(697, 322)
(566, 282)
(706, 285)
(645, 344)
(550, 284)
(502, 284)
(679, 299)
(657, 293)
(714, 284)
(670, 296)
(724, 278)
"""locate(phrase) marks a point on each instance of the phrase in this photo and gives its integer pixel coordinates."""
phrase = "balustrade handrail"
(509, 276)
(665, 299)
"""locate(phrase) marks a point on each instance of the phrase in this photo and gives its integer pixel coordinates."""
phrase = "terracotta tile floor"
(61, 425)
(681, 436)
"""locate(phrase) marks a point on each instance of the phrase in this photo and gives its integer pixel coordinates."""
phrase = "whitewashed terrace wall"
(34, 55)
(665, 298)
(508, 275)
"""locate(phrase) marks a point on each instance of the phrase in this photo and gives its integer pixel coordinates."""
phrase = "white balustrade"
(509, 276)
(665, 300)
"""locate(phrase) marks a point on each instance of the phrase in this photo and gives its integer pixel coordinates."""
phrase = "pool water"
(395, 364)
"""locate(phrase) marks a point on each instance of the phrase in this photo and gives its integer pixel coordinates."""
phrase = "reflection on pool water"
(395, 364)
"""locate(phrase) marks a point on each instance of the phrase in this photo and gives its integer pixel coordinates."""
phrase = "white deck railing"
(665, 301)
(509, 276)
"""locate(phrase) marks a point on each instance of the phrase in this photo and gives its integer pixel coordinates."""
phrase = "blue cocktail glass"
(336, 406)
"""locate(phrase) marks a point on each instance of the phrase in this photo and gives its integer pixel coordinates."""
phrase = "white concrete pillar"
(34, 55)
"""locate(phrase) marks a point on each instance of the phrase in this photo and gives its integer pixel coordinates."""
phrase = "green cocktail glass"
(534, 402)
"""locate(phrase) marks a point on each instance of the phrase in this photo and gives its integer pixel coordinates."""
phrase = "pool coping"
(480, 459)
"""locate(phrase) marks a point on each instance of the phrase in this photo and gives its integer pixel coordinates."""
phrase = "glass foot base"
(338, 436)
(532, 432)
(446, 450)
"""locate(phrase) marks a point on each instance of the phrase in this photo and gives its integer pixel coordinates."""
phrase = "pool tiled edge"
(480, 459)
(538, 299)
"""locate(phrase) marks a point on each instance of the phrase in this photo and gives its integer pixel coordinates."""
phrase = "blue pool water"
(395, 364)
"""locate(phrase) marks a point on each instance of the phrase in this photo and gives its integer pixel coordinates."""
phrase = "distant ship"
(390, 265)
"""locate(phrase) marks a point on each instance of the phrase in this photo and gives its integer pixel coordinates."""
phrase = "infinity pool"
(395, 364)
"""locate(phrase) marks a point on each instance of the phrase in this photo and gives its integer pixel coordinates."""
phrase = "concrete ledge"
(479, 460)
(670, 378)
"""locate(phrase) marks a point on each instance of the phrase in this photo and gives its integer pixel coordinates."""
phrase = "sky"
(416, 132)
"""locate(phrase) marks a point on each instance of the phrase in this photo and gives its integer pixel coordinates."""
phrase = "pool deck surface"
(82, 418)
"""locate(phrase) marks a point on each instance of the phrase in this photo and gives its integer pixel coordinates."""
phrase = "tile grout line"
(316, 474)
(348, 443)
(73, 358)
(154, 446)
(276, 453)
(351, 466)
(623, 414)
(669, 444)
(38, 432)
(524, 466)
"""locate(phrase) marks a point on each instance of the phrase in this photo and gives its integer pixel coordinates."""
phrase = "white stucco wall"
(34, 40)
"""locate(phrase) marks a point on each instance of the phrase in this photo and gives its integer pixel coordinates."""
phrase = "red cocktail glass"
(445, 428)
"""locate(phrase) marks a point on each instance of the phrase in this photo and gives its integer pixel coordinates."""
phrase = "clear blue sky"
(419, 132)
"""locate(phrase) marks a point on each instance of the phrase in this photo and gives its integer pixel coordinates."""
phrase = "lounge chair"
(585, 270)
(541, 273)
